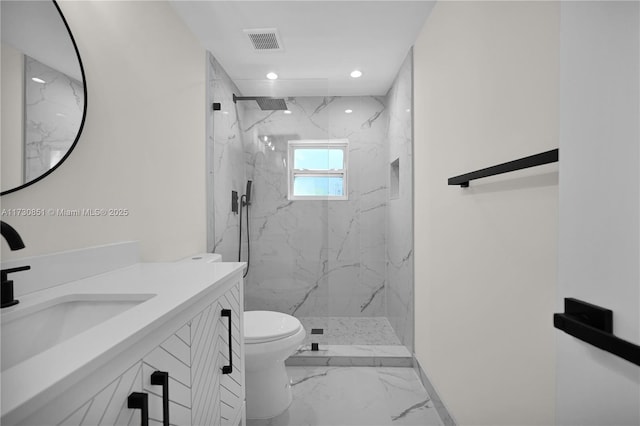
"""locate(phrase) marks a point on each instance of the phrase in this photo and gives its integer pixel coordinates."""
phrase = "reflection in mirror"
(43, 92)
(53, 113)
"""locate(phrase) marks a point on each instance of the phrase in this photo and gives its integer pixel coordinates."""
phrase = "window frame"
(293, 145)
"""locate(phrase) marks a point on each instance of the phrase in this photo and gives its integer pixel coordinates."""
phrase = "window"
(318, 169)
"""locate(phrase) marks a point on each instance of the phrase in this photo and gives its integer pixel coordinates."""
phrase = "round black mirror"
(43, 91)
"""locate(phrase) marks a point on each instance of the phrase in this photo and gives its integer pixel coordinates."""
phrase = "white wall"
(486, 92)
(599, 244)
(143, 144)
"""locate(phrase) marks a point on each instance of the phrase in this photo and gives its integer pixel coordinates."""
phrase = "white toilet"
(269, 339)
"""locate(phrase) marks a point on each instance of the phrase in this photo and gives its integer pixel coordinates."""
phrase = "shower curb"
(348, 361)
(352, 356)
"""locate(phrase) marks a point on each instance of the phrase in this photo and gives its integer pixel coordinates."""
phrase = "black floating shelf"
(594, 325)
(511, 166)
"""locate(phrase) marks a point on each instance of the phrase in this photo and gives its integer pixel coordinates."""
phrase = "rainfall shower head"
(270, 104)
(264, 102)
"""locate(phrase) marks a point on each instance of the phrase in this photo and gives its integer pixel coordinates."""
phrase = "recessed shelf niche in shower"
(394, 179)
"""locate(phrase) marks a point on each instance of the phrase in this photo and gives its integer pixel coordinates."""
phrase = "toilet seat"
(267, 326)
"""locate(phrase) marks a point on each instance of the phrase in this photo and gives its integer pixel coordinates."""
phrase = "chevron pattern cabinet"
(109, 406)
(192, 353)
(174, 357)
(218, 398)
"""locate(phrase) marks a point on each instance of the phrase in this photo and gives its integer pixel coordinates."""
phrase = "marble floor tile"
(349, 396)
(350, 331)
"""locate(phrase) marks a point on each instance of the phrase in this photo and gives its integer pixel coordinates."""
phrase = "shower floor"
(351, 341)
(350, 331)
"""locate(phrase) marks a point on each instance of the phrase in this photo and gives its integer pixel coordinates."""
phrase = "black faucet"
(15, 243)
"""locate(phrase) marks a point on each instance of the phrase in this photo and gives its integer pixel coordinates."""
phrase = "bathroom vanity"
(85, 351)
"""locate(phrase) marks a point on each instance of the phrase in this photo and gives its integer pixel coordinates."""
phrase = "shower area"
(328, 229)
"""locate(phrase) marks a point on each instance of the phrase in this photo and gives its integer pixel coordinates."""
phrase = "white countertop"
(176, 286)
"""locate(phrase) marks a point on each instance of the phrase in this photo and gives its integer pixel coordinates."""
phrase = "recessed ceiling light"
(272, 76)
(348, 111)
(356, 73)
(286, 111)
(38, 80)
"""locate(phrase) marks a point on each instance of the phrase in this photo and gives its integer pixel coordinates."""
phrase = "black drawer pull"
(140, 400)
(161, 378)
(228, 369)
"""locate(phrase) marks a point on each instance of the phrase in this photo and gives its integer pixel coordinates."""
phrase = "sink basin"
(29, 331)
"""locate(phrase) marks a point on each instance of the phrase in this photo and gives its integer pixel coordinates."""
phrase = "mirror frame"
(84, 112)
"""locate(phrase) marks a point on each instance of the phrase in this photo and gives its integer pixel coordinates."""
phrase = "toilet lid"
(265, 326)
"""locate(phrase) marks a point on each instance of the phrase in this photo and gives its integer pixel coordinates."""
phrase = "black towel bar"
(511, 166)
(594, 325)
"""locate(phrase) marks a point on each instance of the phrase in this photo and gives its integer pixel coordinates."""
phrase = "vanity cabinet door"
(232, 394)
(174, 357)
(217, 398)
(107, 407)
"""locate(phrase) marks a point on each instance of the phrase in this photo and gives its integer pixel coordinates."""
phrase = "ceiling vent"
(265, 39)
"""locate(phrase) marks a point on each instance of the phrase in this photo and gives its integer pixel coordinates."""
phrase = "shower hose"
(242, 204)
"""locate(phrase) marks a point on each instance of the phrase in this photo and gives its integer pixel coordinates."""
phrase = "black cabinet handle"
(228, 369)
(161, 378)
(140, 400)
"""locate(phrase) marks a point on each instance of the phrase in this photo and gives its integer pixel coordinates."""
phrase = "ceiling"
(323, 42)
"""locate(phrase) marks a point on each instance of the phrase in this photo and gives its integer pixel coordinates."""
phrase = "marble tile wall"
(53, 113)
(399, 289)
(318, 258)
(225, 163)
